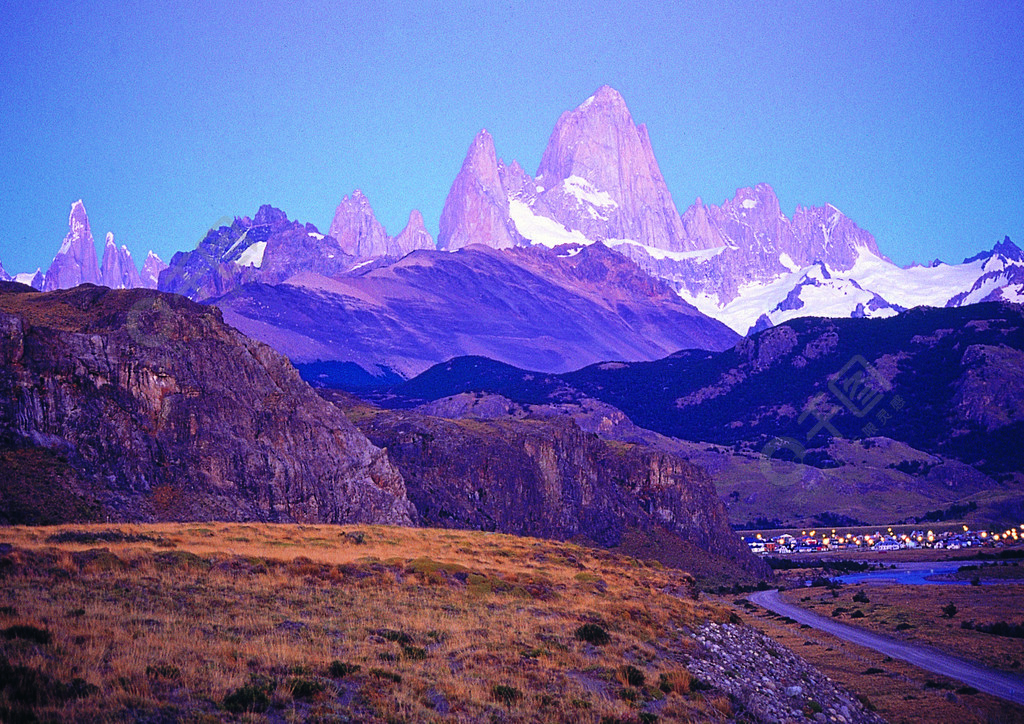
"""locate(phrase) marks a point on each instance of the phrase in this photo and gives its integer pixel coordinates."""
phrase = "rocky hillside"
(543, 476)
(138, 405)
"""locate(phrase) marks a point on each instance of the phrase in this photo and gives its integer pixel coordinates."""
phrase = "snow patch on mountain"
(541, 229)
(253, 255)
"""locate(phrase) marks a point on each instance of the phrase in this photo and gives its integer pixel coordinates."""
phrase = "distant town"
(813, 541)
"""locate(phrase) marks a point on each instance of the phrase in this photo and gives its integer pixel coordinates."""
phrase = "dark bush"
(949, 610)
(1001, 628)
(414, 653)
(247, 698)
(305, 688)
(388, 675)
(860, 597)
(398, 637)
(253, 697)
(163, 671)
(27, 633)
(507, 695)
(632, 676)
(24, 685)
(593, 634)
(341, 669)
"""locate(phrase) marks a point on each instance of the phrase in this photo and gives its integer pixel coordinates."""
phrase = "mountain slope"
(529, 307)
(153, 408)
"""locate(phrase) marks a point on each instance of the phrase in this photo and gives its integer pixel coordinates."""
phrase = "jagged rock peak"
(414, 236)
(151, 268)
(599, 176)
(476, 209)
(270, 216)
(1004, 248)
(1008, 249)
(4, 276)
(356, 228)
(75, 262)
(118, 270)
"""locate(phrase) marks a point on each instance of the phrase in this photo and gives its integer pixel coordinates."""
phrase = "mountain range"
(873, 420)
(501, 279)
(137, 405)
(76, 262)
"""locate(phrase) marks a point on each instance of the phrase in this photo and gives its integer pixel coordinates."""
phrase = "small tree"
(949, 610)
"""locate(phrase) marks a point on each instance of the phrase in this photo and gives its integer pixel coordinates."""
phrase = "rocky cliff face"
(360, 234)
(476, 210)
(357, 230)
(75, 262)
(4, 276)
(414, 236)
(599, 175)
(160, 411)
(545, 477)
(151, 269)
(118, 270)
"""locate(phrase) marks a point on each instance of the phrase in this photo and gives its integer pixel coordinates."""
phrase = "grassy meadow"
(212, 622)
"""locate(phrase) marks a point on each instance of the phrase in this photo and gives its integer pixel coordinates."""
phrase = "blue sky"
(165, 119)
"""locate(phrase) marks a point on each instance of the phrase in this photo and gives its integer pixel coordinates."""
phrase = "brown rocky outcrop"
(545, 477)
(158, 410)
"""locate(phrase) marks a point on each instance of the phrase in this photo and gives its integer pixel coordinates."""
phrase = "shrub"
(593, 634)
(163, 671)
(949, 610)
(27, 633)
(904, 626)
(857, 614)
(387, 675)
(631, 676)
(398, 637)
(507, 695)
(414, 653)
(340, 669)
(253, 697)
(860, 597)
(678, 681)
(305, 688)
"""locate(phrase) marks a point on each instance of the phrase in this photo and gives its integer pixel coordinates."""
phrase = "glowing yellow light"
(965, 529)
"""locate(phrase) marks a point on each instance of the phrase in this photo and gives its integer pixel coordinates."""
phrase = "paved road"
(997, 683)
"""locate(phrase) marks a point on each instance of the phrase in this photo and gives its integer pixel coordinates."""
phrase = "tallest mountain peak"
(605, 96)
(597, 153)
(75, 262)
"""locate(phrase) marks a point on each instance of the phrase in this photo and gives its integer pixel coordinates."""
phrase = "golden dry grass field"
(212, 622)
